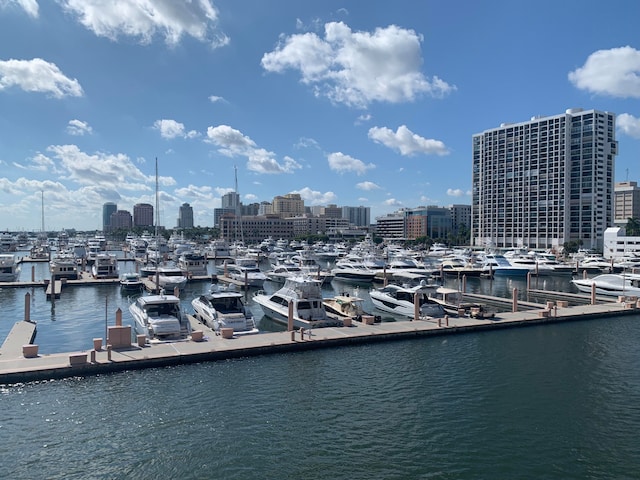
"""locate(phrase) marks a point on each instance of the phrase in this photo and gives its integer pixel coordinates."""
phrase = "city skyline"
(371, 104)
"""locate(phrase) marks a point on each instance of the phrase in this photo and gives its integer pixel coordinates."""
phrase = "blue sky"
(354, 103)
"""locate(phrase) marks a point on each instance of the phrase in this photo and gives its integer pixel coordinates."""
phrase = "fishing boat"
(348, 306)
(160, 317)
(223, 307)
(301, 294)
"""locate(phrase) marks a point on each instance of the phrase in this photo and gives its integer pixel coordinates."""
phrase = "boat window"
(304, 305)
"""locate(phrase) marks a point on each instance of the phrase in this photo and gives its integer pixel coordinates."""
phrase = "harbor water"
(550, 401)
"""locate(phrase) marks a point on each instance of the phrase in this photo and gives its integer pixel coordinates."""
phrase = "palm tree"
(633, 227)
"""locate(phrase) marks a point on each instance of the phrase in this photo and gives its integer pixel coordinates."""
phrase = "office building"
(358, 216)
(121, 219)
(627, 202)
(185, 216)
(142, 215)
(544, 182)
(289, 205)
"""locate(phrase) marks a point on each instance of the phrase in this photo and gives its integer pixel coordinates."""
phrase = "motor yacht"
(348, 306)
(399, 299)
(105, 265)
(223, 307)
(131, 282)
(611, 284)
(160, 317)
(246, 270)
(9, 268)
(64, 265)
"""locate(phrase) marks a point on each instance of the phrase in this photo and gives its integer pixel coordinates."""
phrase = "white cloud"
(100, 169)
(392, 202)
(37, 75)
(357, 68)
(406, 142)
(367, 186)
(215, 99)
(614, 72)
(78, 128)
(629, 125)
(234, 143)
(455, 192)
(365, 117)
(143, 19)
(31, 7)
(171, 129)
(195, 192)
(339, 162)
(312, 197)
(250, 197)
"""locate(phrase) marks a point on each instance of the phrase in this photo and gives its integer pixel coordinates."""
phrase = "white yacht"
(498, 265)
(246, 270)
(305, 296)
(9, 268)
(352, 271)
(193, 263)
(169, 277)
(131, 282)
(611, 284)
(223, 307)
(64, 265)
(453, 302)
(105, 265)
(160, 317)
(399, 299)
(347, 306)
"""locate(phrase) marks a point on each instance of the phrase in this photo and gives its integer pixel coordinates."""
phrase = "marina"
(20, 360)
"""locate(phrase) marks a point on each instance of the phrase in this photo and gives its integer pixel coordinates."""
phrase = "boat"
(160, 318)
(456, 266)
(353, 272)
(169, 277)
(246, 271)
(304, 295)
(64, 265)
(453, 302)
(105, 265)
(223, 307)
(131, 282)
(611, 284)
(193, 263)
(400, 299)
(347, 306)
(281, 272)
(9, 268)
(498, 265)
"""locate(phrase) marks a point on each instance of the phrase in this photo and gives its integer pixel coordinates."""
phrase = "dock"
(22, 333)
(204, 345)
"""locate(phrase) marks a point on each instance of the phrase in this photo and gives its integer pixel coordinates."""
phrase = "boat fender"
(358, 318)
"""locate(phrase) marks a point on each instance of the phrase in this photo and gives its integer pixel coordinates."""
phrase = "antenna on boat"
(238, 208)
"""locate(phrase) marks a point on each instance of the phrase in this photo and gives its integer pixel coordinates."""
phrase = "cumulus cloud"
(216, 99)
(37, 75)
(629, 125)
(455, 192)
(234, 143)
(101, 169)
(313, 197)
(392, 202)
(31, 7)
(195, 192)
(614, 72)
(367, 186)
(341, 163)
(171, 129)
(142, 19)
(406, 142)
(79, 128)
(357, 68)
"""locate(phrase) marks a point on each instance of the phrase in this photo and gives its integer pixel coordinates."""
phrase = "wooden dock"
(22, 333)
(206, 346)
(54, 289)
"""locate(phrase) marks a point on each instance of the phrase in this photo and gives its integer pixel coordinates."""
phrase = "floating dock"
(19, 363)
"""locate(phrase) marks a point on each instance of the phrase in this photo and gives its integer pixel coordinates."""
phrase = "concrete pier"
(207, 346)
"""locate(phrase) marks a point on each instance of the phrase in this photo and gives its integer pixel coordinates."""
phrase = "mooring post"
(593, 293)
(27, 307)
(515, 300)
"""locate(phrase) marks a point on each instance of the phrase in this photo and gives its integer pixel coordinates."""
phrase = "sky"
(354, 103)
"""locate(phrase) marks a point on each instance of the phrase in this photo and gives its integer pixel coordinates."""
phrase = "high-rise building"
(289, 205)
(627, 202)
(107, 209)
(121, 219)
(185, 216)
(544, 182)
(142, 215)
(358, 216)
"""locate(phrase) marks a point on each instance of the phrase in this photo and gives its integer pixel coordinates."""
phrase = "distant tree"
(633, 227)
(572, 246)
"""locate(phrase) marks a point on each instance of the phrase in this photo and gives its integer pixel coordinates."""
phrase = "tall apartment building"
(121, 219)
(107, 209)
(460, 217)
(143, 215)
(358, 216)
(544, 182)
(627, 202)
(185, 216)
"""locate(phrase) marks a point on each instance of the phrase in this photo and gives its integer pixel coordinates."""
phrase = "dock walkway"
(15, 368)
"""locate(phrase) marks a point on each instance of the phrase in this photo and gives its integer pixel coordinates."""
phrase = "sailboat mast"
(42, 209)
(157, 202)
